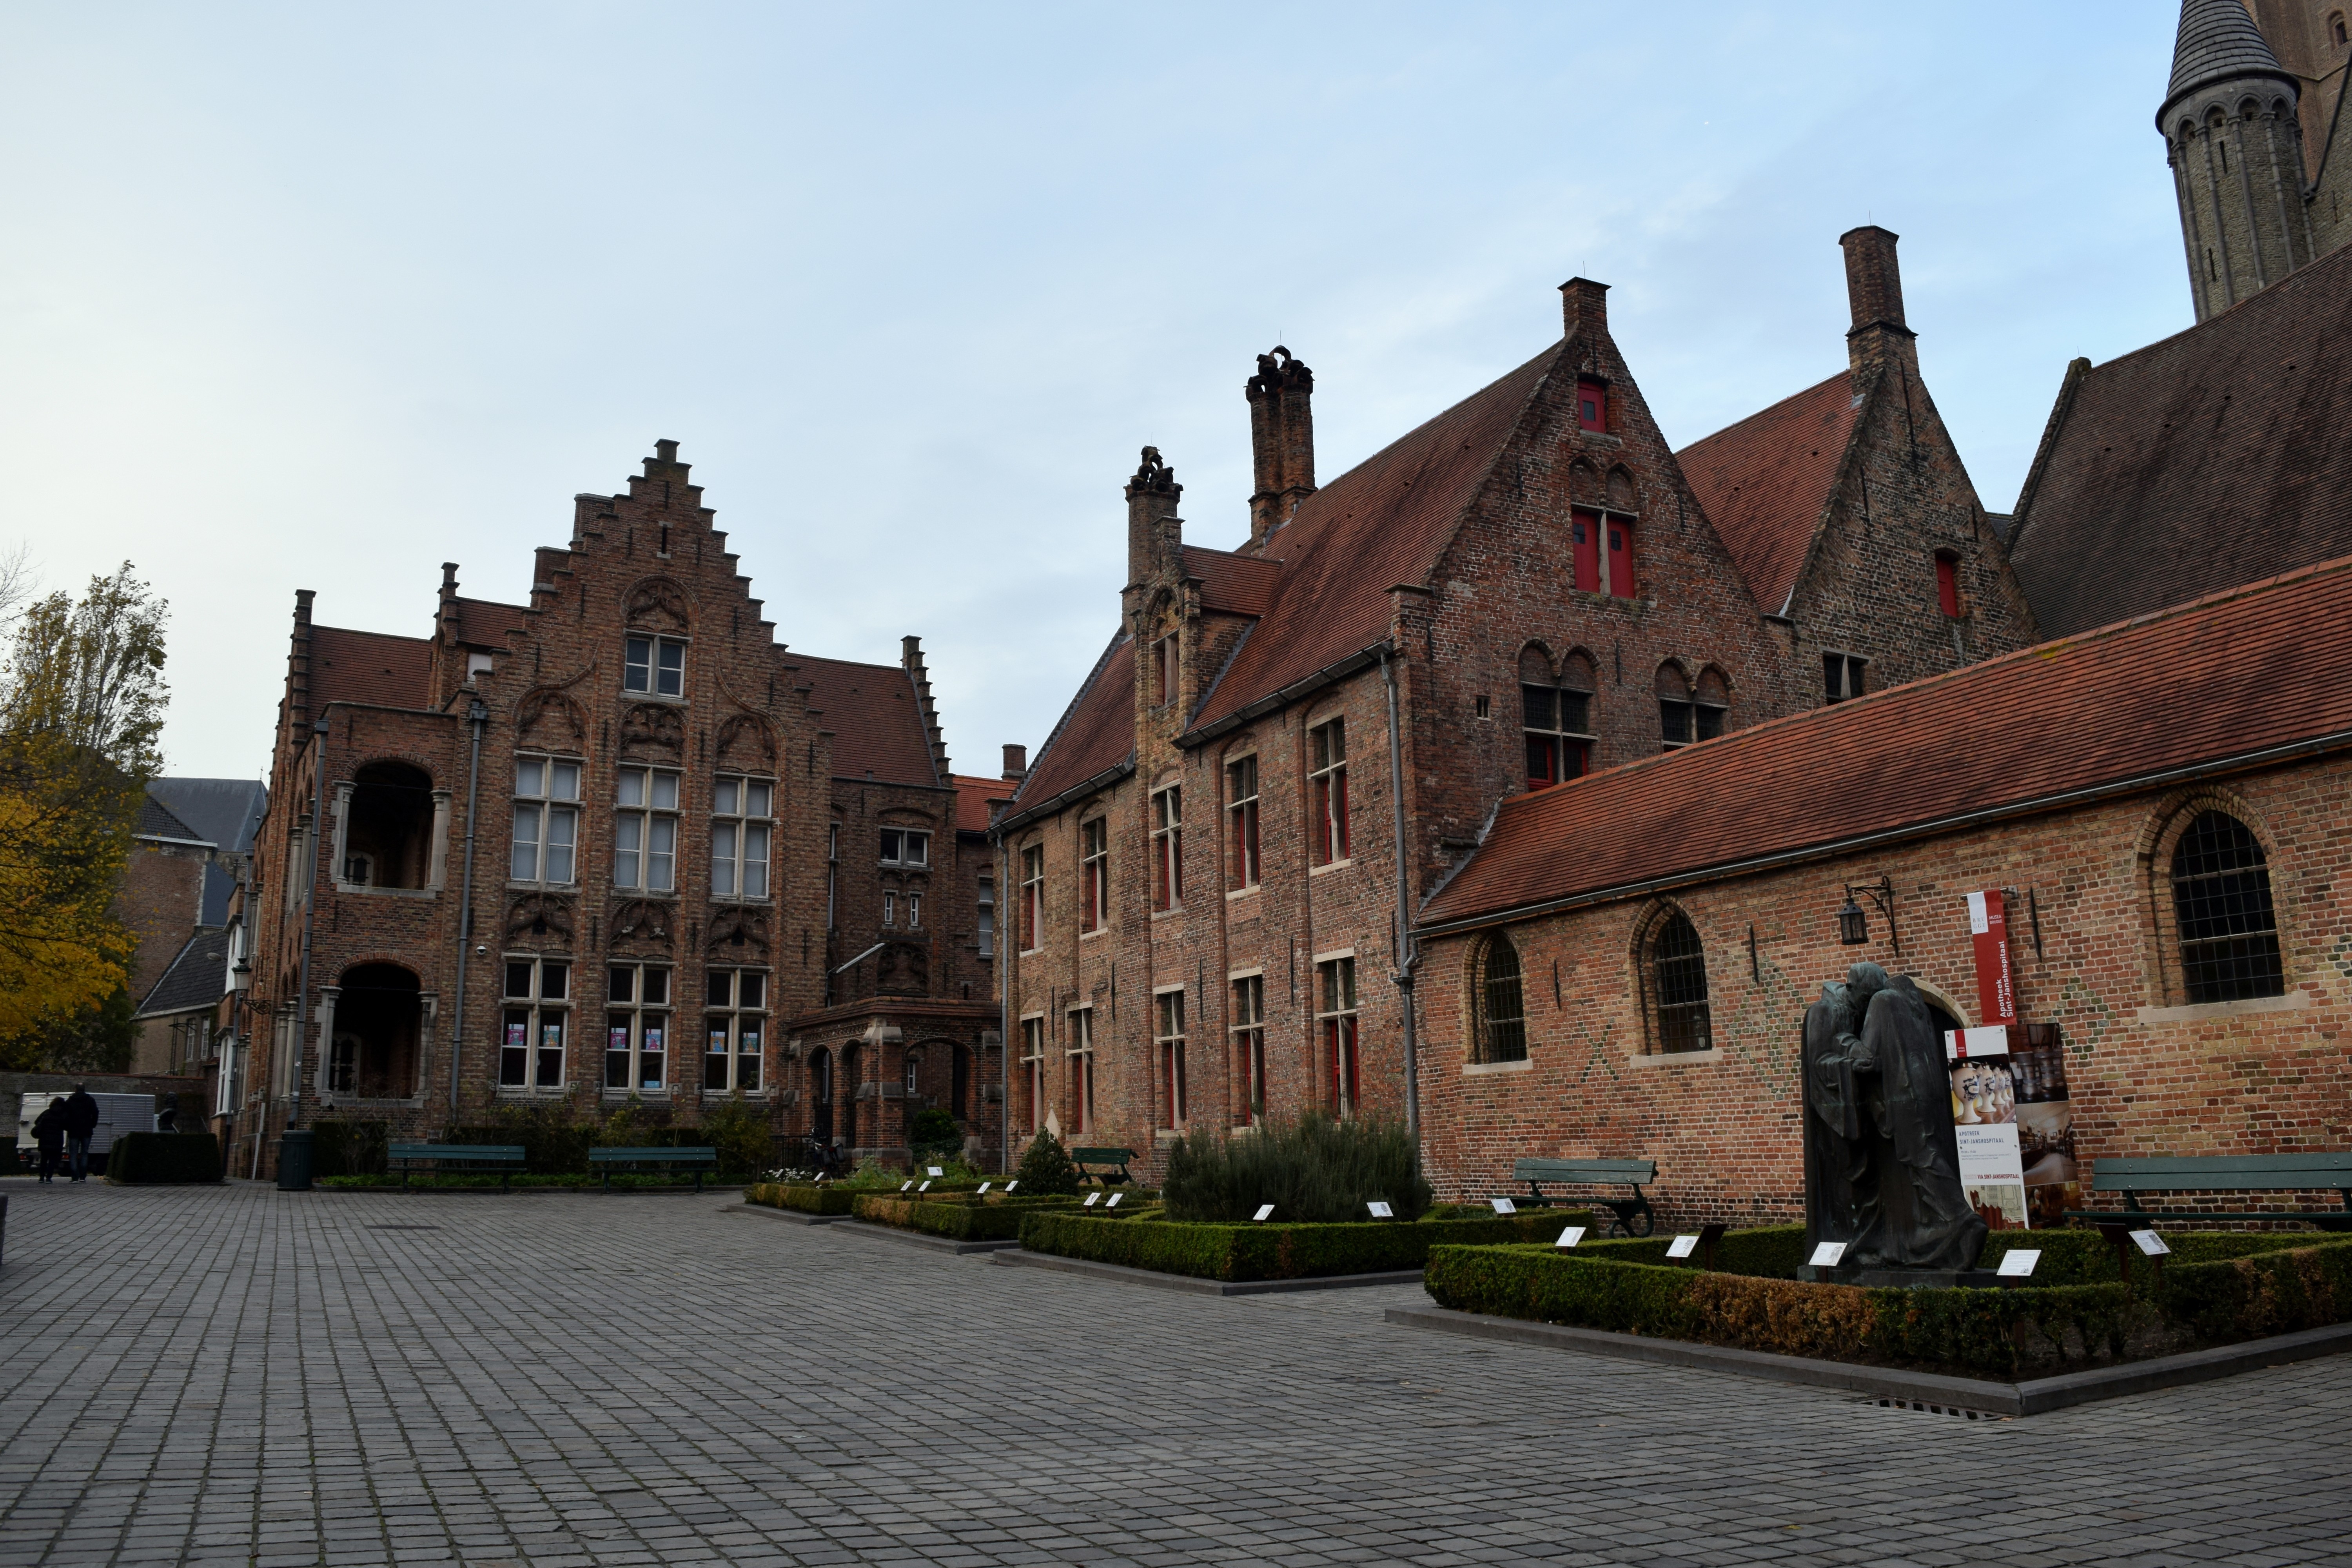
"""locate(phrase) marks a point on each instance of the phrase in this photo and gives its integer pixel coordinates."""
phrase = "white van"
(117, 1114)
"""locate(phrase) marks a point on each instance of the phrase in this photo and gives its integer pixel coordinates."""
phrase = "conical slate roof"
(2218, 42)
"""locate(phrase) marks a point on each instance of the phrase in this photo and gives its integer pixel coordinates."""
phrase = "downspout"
(1405, 955)
(302, 1013)
(479, 715)
(1005, 966)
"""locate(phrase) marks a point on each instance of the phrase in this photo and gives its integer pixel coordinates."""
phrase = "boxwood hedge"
(807, 1197)
(962, 1220)
(1273, 1251)
(155, 1158)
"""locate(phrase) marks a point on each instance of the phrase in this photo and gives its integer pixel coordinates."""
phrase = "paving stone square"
(237, 1375)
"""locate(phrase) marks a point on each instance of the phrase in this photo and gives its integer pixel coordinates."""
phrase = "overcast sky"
(322, 296)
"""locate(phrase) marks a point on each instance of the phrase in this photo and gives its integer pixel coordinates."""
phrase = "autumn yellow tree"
(81, 720)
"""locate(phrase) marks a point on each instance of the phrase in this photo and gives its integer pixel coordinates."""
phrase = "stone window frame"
(437, 854)
(1078, 1058)
(1332, 829)
(1032, 936)
(1245, 822)
(1246, 1027)
(1094, 873)
(744, 822)
(1032, 1063)
(1554, 734)
(1654, 924)
(649, 815)
(1849, 689)
(737, 1013)
(641, 1013)
(2164, 985)
(1339, 1031)
(536, 1008)
(1171, 1093)
(1482, 1045)
(548, 804)
(1166, 826)
(657, 641)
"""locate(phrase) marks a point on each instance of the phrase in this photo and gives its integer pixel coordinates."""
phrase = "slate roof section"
(2220, 456)
(156, 821)
(1097, 731)
(2194, 686)
(198, 976)
(375, 668)
(1764, 482)
(229, 813)
(1381, 523)
(2218, 41)
(876, 723)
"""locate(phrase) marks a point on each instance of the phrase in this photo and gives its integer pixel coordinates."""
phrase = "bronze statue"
(1882, 1165)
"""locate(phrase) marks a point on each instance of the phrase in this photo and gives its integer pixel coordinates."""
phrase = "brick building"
(615, 844)
(1204, 862)
(2167, 835)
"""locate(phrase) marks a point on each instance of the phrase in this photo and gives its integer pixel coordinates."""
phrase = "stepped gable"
(369, 667)
(877, 725)
(2195, 685)
(1764, 482)
(2220, 456)
(1381, 523)
(1230, 583)
(1097, 731)
(486, 623)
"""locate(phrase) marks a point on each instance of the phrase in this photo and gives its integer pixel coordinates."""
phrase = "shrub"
(156, 1158)
(2273, 1292)
(804, 1198)
(933, 1132)
(736, 1128)
(1046, 1168)
(1316, 1170)
(960, 1220)
(350, 1148)
(553, 1145)
(1270, 1251)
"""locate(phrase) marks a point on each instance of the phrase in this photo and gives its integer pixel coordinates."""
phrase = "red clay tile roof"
(485, 622)
(1097, 731)
(1764, 481)
(877, 725)
(1381, 523)
(1237, 585)
(2195, 685)
(972, 795)
(369, 667)
(2220, 456)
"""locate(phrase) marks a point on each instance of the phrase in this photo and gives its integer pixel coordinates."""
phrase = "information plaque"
(1571, 1236)
(1827, 1254)
(926, 1187)
(1114, 1200)
(1504, 1205)
(1264, 1211)
(933, 1170)
(1381, 1210)
(2019, 1263)
(905, 1184)
(1683, 1246)
(985, 1185)
(1092, 1199)
(2151, 1244)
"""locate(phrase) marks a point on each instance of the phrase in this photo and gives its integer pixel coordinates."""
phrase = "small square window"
(654, 665)
(1591, 406)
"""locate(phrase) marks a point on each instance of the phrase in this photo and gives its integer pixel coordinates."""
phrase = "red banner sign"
(1989, 929)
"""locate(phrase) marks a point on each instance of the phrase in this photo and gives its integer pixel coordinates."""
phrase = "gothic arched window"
(2221, 898)
(1499, 1006)
(1677, 976)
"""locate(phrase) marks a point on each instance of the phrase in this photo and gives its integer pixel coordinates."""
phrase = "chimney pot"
(1017, 762)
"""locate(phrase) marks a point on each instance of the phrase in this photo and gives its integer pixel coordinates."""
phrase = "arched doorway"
(378, 1017)
(821, 1096)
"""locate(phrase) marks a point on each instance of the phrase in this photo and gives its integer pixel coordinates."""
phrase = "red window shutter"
(1622, 584)
(1948, 586)
(1584, 535)
(1591, 406)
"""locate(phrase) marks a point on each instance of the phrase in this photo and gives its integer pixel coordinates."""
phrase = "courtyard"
(240, 1375)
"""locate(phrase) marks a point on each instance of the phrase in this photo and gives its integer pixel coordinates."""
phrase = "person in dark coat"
(82, 1122)
(49, 1133)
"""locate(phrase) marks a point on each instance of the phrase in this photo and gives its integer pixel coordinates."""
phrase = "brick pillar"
(1282, 440)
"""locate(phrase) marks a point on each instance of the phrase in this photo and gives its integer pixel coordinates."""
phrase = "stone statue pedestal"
(1904, 1278)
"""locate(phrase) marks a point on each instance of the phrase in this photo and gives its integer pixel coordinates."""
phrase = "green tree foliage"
(1046, 1169)
(934, 1132)
(1318, 1169)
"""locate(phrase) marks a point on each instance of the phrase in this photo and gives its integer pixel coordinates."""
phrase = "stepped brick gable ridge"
(705, 870)
(2220, 456)
(1649, 1004)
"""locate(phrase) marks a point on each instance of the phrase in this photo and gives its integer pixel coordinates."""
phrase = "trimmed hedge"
(162, 1159)
(804, 1197)
(1273, 1251)
(2276, 1291)
(982, 1221)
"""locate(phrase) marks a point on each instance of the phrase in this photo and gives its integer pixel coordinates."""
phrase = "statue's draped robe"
(1922, 1217)
(1837, 1202)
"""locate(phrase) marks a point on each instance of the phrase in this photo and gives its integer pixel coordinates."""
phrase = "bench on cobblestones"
(1593, 1173)
(2221, 1174)
(506, 1159)
(695, 1160)
(1115, 1157)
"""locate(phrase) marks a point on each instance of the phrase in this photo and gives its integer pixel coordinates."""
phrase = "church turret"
(2231, 135)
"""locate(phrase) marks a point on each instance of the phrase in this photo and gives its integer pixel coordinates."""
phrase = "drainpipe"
(1005, 917)
(479, 716)
(309, 920)
(1403, 949)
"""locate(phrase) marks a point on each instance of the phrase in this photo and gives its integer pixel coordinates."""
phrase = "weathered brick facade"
(618, 733)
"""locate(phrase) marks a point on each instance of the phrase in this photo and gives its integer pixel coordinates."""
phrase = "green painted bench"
(2221, 1174)
(506, 1159)
(695, 1160)
(1634, 1214)
(1114, 1157)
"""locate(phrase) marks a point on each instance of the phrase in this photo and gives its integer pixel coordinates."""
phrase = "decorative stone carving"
(540, 919)
(656, 604)
(738, 933)
(746, 745)
(642, 924)
(906, 970)
(651, 731)
(548, 721)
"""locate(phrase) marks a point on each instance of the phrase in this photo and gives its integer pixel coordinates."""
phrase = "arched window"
(1674, 718)
(2221, 897)
(1499, 1006)
(1557, 718)
(1677, 966)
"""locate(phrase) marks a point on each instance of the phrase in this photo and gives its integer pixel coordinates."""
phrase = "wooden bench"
(1117, 1157)
(506, 1159)
(1595, 1173)
(2221, 1174)
(695, 1160)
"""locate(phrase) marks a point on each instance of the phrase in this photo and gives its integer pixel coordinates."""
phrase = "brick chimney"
(1016, 762)
(1584, 307)
(1874, 287)
(1282, 440)
(1154, 532)
(298, 665)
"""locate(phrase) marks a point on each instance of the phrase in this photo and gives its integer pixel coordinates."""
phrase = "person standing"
(82, 1122)
(49, 1133)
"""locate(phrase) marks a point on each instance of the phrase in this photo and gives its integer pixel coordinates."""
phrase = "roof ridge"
(1747, 418)
(1078, 697)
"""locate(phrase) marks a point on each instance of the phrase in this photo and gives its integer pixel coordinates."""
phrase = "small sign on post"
(1114, 1200)
(1828, 1254)
(1012, 1183)
(905, 1184)
(1504, 1205)
(985, 1185)
(1264, 1211)
(1571, 1236)
(1381, 1210)
(2151, 1244)
(1092, 1199)
(2017, 1263)
(926, 1187)
(1683, 1246)
(933, 1170)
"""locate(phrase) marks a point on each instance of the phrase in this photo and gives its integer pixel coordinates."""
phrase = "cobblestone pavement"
(236, 1375)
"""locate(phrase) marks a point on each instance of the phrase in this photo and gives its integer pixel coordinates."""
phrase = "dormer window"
(1591, 406)
(655, 665)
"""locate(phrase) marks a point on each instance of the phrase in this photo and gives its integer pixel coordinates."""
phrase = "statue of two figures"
(1882, 1165)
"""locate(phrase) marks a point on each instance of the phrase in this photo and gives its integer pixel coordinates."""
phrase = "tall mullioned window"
(2221, 898)
(546, 820)
(644, 830)
(1335, 1019)
(1168, 1035)
(1033, 1068)
(1248, 1030)
(1240, 808)
(734, 1028)
(740, 831)
(1081, 1059)
(1033, 897)
(1093, 874)
(1501, 1005)
(536, 1021)
(1678, 986)
(654, 666)
(1167, 848)
(1327, 746)
(636, 1029)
